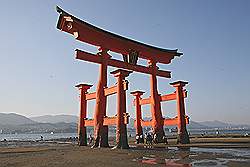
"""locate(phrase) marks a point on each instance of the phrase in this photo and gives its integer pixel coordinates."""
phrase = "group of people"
(148, 139)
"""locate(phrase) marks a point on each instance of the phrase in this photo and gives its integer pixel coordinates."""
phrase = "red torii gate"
(130, 50)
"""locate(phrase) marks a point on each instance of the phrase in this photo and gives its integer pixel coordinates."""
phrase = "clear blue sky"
(38, 70)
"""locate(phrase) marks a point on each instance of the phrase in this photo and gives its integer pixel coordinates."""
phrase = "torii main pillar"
(157, 119)
(100, 131)
(183, 137)
(121, 130)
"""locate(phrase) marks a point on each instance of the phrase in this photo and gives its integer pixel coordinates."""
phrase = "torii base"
(104, 137)
(183, 138)
(82, 136)
(160, 136)
(122, 139)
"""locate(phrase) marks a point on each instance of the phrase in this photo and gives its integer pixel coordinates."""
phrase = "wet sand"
(65, 154)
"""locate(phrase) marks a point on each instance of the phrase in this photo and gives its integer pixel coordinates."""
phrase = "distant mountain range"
(215, 124)
(55, 118)
(15, 123)
(14, 119)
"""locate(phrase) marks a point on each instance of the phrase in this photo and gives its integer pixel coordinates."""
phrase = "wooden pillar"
(139, 131)
(183, 137)
(121, 130)
(157, 119)
(82, 134)
(100, 131)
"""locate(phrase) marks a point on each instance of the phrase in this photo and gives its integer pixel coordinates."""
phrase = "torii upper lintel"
(88, 33)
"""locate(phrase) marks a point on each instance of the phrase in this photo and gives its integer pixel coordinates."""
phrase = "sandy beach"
(201, 152)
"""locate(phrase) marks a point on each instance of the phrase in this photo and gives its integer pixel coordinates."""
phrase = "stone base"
(159, 137)
(102, 140)
(183, 138)
(104, 137)
(121, 138)
(82, 137)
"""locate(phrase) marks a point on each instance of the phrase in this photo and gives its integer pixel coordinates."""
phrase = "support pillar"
(139, 131)
(82, 134)
(121, 130)
(100, 131)
(157, 119)
(183, 137)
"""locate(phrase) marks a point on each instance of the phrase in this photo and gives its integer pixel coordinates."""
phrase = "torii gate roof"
(88, 33)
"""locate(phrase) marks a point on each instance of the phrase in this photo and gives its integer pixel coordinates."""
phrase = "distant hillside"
(216, 124)
(55, 118)
(14, 119)
(196, 125)
(14, 123)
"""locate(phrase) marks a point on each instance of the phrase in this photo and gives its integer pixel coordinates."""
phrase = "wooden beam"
(107, 91)
(106, 121)
(91, 96)
(110, 91)
(146, 123)
(167, 97)
(172, 96)
(82, 55)
(167, 122)
(145, 101)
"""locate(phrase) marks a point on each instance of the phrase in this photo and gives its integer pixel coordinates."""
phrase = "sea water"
(34, 137)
